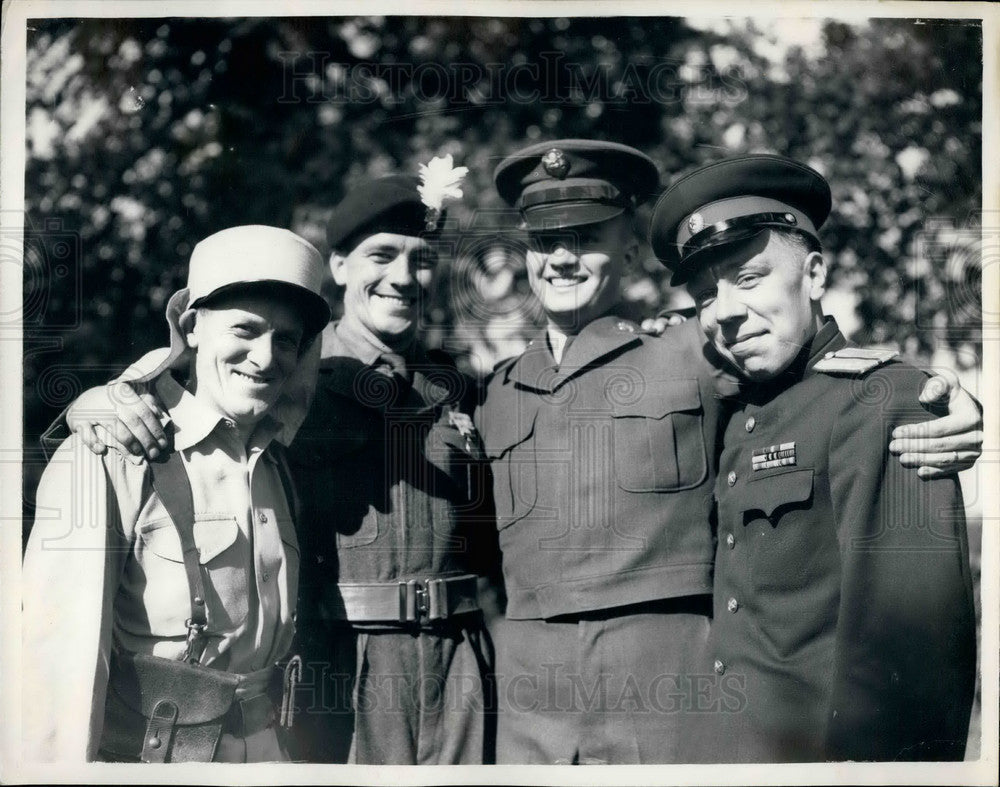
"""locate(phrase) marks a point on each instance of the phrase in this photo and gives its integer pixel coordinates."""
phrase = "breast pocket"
(355, 508)
(794, 559)
(659, 445)
(783, 547)
(224, 557)
(510, 450)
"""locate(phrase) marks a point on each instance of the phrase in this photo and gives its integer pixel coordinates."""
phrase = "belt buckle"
(420, 601)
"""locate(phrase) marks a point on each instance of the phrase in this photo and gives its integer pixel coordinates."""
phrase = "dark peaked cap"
(733, 200)
(569, 182)
(388, 204)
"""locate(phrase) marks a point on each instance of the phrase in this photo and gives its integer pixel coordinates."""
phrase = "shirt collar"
(193, 420)
(349, 335)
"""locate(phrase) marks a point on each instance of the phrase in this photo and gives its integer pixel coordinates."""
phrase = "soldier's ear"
(337, 268)
(629, 239)
(631, 250)
(816, 275)
(187, 322)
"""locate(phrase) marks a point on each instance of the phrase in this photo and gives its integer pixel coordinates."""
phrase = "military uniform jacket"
(603, 469)
(385, 474)
(843, 615)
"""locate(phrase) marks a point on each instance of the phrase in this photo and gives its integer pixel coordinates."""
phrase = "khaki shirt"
(103, 568)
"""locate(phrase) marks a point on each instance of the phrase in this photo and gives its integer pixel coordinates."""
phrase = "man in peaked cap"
(606, 546)
(104, 576)
(843, 599)
(602, 444)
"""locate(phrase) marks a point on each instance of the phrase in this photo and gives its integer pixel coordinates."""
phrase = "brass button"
(732, 605)
(154, 742)
(731, 478)
(720, 668)
(751, 423)
(730, 540)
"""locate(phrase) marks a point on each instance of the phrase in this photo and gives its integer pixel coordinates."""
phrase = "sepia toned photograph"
(533, 385)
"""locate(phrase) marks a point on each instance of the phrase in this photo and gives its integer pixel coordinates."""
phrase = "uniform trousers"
(401, 696)
(614, 686)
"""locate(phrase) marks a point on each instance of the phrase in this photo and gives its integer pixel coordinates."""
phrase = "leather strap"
(156, 744)
(250, 715)
(172, 486)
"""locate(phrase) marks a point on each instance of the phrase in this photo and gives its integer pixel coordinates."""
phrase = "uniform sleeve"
(72, 565)
(58, 431)
(905, 654)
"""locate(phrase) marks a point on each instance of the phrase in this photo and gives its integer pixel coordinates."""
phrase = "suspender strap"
(170, 481)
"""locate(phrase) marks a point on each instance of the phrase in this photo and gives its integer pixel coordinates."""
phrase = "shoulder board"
(853, 360)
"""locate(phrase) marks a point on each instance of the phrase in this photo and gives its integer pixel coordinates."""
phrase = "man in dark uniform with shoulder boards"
(842, 603)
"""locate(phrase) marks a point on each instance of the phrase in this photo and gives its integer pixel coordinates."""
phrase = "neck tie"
(394, 364)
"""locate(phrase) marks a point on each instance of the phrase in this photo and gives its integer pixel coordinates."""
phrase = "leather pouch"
(160, 710)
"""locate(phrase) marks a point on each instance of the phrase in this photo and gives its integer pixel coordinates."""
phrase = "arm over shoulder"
(905, 659)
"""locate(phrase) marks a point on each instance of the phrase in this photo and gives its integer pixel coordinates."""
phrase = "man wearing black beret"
(397, 656)
(842, 601)
(602, 443)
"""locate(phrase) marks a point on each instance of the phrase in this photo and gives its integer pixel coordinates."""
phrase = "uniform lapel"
(535, 368)
(600, 339)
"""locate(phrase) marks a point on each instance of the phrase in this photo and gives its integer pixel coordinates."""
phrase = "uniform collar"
(347, 338)
(350, 351)
(827, 339)
(537, 368)
(193, 420)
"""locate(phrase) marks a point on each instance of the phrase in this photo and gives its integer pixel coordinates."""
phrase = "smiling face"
(758, 303)
(576, 272)
(246, 347)
(386, 278)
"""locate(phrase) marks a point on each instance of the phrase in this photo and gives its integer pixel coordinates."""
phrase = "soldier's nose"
(728, 306)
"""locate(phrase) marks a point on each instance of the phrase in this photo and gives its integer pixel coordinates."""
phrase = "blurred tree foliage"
(146, 135)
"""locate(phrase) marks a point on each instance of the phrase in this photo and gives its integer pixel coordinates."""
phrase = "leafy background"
(146, 135)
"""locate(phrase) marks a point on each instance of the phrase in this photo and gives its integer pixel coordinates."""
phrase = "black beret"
(569, 182)
(388, 204)
(733, 200)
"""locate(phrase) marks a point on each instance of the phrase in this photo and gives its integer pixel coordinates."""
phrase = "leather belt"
(405, 601)
(250, 715)
(253, 708)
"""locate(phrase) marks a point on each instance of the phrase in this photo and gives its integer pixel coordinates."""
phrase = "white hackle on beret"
(439, 181)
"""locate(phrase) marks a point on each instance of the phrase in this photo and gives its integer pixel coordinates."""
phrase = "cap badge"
(695, 223)
(439, 182)
(555, 163)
